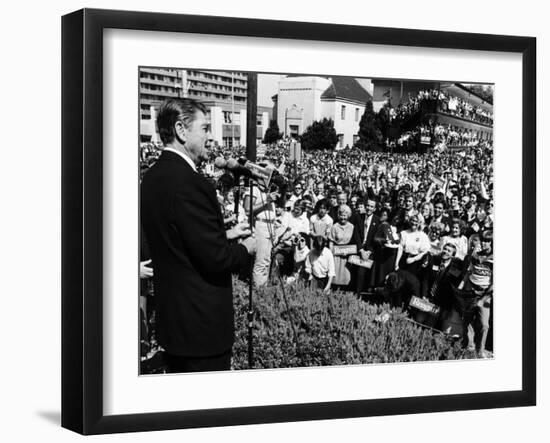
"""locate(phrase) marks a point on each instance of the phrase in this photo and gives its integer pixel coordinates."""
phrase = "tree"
(484, 91)
(370, 136)
(320, 135)
(383, 120)
(272, 134)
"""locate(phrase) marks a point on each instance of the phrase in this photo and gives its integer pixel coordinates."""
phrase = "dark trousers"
(178, 363)
(319, 283)
(363, 279)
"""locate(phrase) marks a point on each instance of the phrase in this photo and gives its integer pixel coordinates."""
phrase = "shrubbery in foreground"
(331, 329)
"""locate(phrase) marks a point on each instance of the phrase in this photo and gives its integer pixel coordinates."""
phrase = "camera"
(298, 240)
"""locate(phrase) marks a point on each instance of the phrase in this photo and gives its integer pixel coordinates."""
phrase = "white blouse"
(414, 243)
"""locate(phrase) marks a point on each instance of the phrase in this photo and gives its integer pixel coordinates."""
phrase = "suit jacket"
(368, 244)
(192, 259)
(451, 276)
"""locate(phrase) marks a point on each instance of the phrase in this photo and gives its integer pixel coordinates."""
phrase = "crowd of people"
(447, 103)
(446, 136)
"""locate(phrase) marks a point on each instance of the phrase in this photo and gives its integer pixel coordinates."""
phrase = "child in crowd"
(319, 265)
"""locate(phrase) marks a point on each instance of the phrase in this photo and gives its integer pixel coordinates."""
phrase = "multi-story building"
(223, 93)
(301, 100)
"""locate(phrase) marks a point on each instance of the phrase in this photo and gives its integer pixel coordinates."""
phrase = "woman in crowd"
(342, 233)
(413, 247)
(456, 238)
(427, 213)
(480, 223)
(434, 235)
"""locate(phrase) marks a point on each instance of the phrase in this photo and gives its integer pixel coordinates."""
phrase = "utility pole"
(251, 111)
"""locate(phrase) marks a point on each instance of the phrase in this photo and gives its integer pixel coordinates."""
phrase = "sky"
(268, 86)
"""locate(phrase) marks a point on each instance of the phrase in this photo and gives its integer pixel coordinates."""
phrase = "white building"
(303, 100)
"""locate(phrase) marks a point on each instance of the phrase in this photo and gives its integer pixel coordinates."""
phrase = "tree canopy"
(370, 136)
(272, 134)
(320, 135)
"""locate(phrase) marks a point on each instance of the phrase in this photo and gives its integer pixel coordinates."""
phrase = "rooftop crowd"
(447, 103)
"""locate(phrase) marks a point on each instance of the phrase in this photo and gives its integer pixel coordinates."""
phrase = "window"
(343, 113)
(341, 139)
(294, 130)
(228, 142)
(227, 118)
(356, 114)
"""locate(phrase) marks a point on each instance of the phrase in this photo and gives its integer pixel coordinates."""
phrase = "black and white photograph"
(299, 220)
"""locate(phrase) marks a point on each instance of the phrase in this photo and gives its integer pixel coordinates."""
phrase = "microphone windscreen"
(232, 164)
(220, 163)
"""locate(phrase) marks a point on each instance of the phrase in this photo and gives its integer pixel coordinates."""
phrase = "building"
(223, 93)
(301, 100)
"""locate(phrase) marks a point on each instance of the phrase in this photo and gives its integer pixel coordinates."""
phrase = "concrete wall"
(303, 93)
(348, 126)
(216, 122)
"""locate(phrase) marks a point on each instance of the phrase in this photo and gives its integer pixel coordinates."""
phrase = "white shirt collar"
(184, 156)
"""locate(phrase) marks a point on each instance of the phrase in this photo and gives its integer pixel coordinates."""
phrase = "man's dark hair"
(173, 110)
(319, 242)
(452, 246)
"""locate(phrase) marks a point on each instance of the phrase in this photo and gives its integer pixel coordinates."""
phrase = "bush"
(331, 329)
(320, 135)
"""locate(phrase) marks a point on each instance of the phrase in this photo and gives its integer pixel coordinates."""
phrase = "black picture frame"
(82, 218)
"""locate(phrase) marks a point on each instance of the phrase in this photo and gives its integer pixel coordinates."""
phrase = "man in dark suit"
(190, 250)
(444, 271)
(367, 230)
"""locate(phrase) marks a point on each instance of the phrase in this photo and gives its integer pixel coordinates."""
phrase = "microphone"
(246, 168)
(220, 163)
(260, 172)
(239, 169)
(233, 166)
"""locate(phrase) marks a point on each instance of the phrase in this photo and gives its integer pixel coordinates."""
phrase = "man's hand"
(240, 230)
(365, 255)
(144, 270)
(272, 196)
(251, 245)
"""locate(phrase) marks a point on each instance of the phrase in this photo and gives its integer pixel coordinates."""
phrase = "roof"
(346, 88)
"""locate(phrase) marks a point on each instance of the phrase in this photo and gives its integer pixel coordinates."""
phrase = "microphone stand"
(250, 315)
(237, 197)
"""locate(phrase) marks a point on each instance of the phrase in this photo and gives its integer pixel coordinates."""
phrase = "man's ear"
(181, 132)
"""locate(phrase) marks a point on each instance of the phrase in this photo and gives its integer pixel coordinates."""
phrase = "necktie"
(437, 280)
